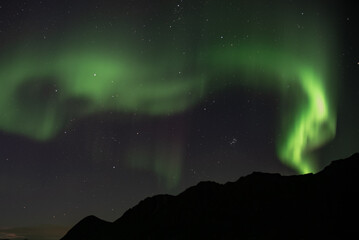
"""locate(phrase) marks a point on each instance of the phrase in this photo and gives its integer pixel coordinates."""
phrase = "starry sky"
(104, 103)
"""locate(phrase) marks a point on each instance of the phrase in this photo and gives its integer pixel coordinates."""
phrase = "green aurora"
(42, 85)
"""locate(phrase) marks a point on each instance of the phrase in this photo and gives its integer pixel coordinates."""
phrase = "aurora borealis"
(110, 78)
(110, 100)
(314, 119)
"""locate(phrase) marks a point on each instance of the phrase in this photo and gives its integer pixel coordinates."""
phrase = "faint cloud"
(10, 235)
(34, 233)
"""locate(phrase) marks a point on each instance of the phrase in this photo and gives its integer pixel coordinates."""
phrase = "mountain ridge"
(256, 206)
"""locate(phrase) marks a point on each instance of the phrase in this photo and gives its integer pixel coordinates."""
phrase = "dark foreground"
(258, 206)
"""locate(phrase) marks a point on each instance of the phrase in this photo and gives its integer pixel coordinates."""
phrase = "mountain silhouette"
(258, 206)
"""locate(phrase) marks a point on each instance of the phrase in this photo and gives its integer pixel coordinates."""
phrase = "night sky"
(104, 103)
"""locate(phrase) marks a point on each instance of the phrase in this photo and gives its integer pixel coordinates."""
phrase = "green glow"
(42, 86)
(165, 161)
(314, 125)
(98, 81)
(312, 121)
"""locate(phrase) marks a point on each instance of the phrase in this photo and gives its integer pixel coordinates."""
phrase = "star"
(234, 141)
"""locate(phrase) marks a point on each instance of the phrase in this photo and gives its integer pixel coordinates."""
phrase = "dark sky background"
(105, 160)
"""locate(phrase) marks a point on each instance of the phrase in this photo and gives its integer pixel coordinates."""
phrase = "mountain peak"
(84, 230)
